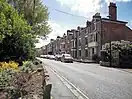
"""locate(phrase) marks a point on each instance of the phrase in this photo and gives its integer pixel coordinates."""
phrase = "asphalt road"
(95, 81)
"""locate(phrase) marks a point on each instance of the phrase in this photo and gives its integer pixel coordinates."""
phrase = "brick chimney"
(88, 23)
(113, 11)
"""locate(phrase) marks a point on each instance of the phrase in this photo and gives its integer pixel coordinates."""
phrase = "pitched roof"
(115, 20)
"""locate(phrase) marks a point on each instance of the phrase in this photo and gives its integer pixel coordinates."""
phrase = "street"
(94, 81)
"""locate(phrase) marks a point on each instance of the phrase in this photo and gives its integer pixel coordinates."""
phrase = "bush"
(6, 77)
(17, 40)
(27, 67)
(7, 69)
(9, 65)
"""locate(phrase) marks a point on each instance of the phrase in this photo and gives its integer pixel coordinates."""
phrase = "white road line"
(76, 91)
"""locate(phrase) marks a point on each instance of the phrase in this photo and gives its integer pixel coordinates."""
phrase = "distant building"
(85, 42)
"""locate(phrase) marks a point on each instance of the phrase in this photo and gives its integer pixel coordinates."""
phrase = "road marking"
(76, 91)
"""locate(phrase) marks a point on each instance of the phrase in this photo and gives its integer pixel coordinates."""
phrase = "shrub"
(9, 65)
(5, 77)
(17, 39)
(27, 67)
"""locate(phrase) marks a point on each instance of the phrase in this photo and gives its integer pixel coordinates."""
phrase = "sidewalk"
(84, 61)
(127, 70)
(59, 90)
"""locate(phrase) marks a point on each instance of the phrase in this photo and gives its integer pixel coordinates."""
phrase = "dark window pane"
(86, 41)
(92, 50)
(79, 52)
(86, 52)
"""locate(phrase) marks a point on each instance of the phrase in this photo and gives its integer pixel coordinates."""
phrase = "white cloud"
(41, 43)
(88, 7)
(57, 30)
(130, 24)
(83, 7)
(117, 1)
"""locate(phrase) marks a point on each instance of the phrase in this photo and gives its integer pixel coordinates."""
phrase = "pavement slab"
(59, 90)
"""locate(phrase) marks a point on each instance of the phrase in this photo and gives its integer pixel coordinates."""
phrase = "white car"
(42, 56)
(52, 57)
(66, 58)
(58, 57)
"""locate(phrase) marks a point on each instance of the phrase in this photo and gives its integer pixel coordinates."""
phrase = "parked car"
(66, 58)
(52, 57)
(58, 57)
(42, 56)
(48, 56)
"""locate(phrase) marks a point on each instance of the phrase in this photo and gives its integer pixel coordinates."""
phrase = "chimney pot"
(113, 11)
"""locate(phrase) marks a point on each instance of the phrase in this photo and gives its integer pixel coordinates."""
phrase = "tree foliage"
(124, 48)
(35, 13)
(16, 38)
(118, 46)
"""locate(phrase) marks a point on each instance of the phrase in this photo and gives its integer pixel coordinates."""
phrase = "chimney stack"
(113, 11)
(88, 23)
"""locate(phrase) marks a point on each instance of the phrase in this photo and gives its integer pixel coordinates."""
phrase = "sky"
(81, 11)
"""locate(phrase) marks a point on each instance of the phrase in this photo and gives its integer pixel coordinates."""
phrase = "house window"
(85, 30)
(95, 26)
(74, 43)
(90, 29)
(79, 33)
(72, 36)
(72, 53)
(79, 42)
(90, 38)
(79, 52)
(96, 37)
(92, 50)
(86, 40)
(86, 52)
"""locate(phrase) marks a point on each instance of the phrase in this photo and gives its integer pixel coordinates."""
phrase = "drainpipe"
(101, 36)
(110, 43)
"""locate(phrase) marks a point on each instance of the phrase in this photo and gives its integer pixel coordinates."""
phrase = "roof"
(115, 20)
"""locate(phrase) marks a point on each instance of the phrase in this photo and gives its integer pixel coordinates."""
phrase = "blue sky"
(61, 22)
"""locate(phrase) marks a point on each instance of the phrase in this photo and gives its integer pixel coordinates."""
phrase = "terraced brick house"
(85, 42)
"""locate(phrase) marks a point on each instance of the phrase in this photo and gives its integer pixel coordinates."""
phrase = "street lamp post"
(110, 42)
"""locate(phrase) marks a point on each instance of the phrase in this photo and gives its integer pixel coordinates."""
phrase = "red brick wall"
(128, 32)
(116, 31)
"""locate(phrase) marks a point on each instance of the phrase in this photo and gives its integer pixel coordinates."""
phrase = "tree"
(16, 38)
(35, 13)
(123, 48)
